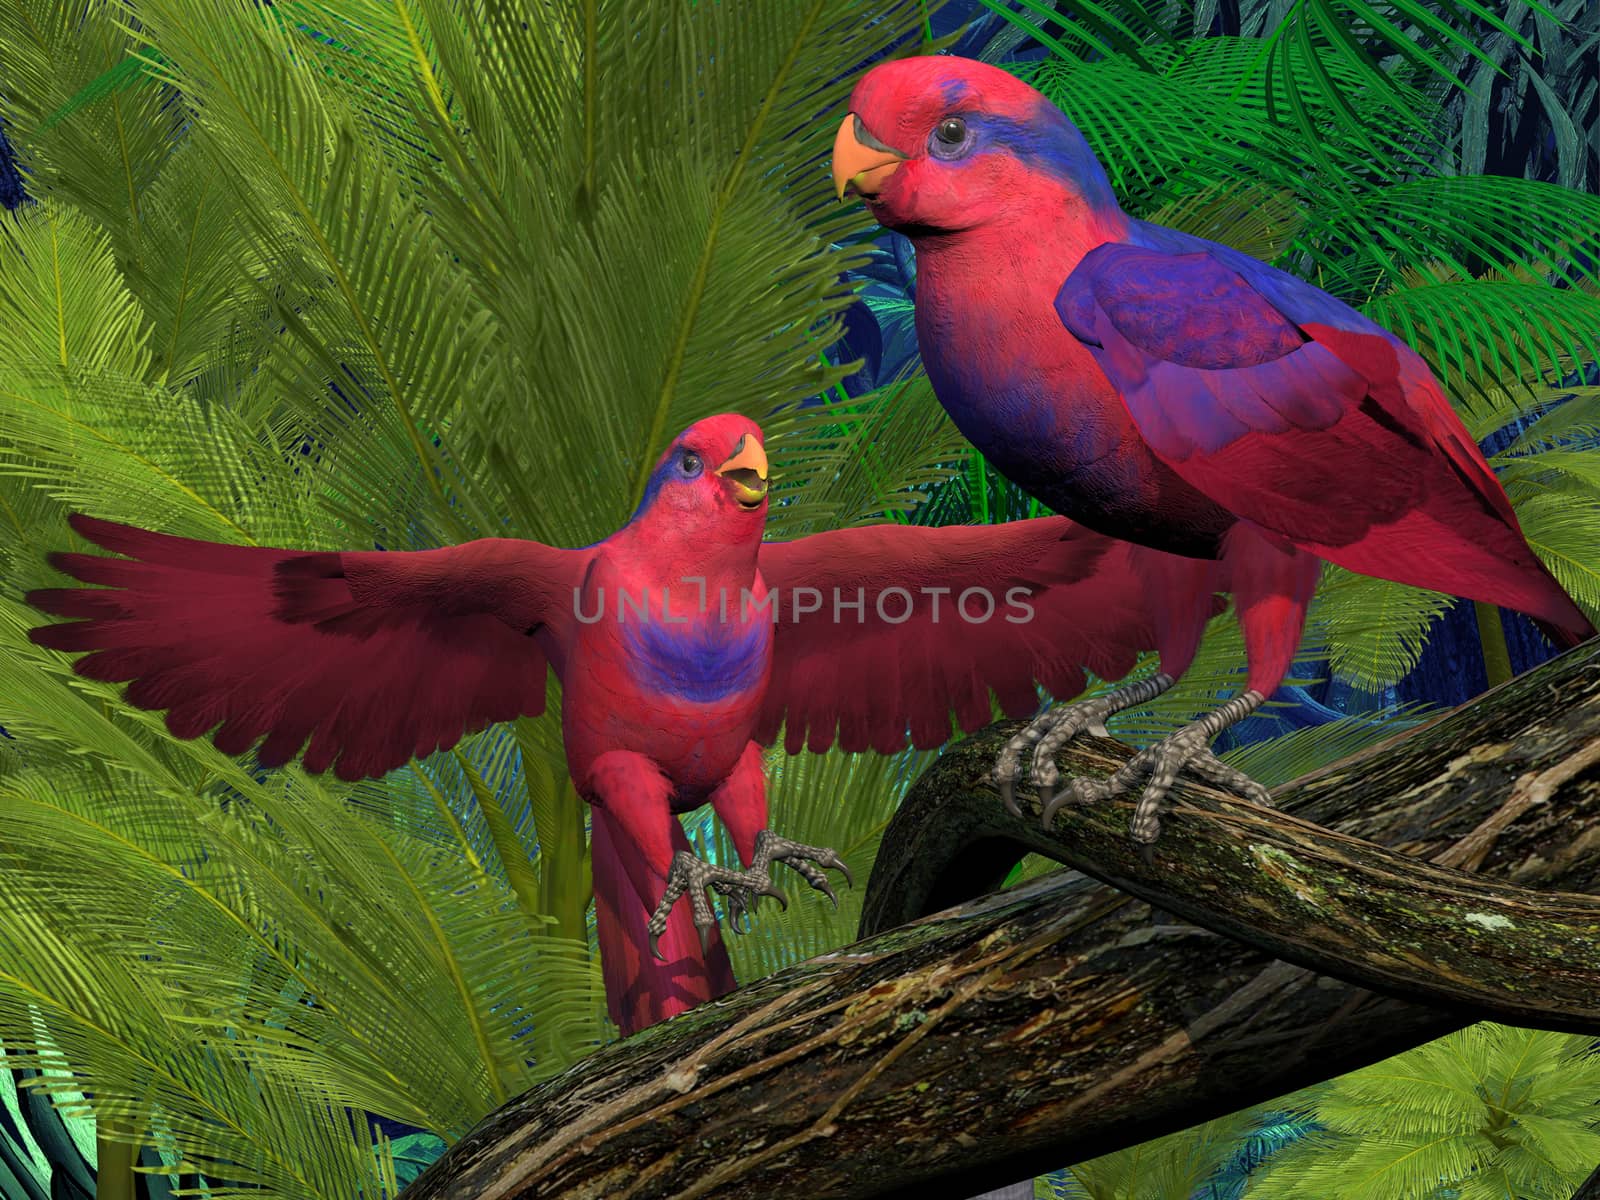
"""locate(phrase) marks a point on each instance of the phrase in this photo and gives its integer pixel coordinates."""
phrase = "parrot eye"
(690, 464)
(950, 138)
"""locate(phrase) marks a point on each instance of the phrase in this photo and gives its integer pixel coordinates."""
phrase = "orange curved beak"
(858, 164)
(746, 469)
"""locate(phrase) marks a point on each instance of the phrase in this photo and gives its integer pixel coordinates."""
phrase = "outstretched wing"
(874, 638)
(374, 656)
(1293, 411)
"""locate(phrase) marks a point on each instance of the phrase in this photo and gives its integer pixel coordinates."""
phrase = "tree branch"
(1316, 897)
(1054, 1022)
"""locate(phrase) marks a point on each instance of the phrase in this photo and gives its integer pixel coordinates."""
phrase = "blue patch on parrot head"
(1050, 143)
(1045, 142)
(680, 465)
(954, 92)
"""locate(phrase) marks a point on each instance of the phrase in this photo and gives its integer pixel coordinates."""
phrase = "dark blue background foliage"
(11, 193)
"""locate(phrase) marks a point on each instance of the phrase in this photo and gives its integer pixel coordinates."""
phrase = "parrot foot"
(697, 878)
(771, 848)
(1219, 774)
(1054, 728)
(1160, 764)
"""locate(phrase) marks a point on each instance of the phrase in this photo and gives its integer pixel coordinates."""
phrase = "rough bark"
(1317, 897)
(1054, 1022)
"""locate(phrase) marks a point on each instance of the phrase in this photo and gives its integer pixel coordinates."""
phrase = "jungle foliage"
(361, 274)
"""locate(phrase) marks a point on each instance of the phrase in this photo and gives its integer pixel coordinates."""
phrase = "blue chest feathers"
(700, 661)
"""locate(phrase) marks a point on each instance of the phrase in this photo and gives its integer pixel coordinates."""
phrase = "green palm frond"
(1093, 29)
(1563, 527)
(403, 933)
(1216, 673)
(860, 460)
(1169, 1168)
(1478, 333)
(1297, 752)
(1161, 136)
(1239, 213)
(104, 159)
(188, 279)
(1571, 416)
(62, 297)
(161, 458)
(66, 1001)
(392, 317)
(1491, 1110)
(1375, 628)
(1305, 51)
(1552, 475)
(1516, 225)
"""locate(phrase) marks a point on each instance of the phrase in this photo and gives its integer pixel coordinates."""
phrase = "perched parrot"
(1170, 391)
(683, 643)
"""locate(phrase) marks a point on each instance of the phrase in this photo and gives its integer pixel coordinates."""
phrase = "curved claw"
(1051, 802)
(769, 890)
(655, 950)
(705, 938)
(849, 880)
(1008, 796)
(828, 892)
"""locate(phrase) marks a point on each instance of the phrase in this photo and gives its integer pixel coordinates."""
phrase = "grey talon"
(1008, 797)
(695, 878)
(1048, 815)
(1155, 766)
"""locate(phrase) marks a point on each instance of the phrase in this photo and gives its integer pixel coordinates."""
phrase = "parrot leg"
(1058, 725)
(697, 878)
(740, 803)
(1271, 583)
(1188, 747)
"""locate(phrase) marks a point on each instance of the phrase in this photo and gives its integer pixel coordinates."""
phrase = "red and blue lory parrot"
(683, 643)
(1170, 391)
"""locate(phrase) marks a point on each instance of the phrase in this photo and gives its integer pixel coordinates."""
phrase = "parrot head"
(939, 144)
(711, 483)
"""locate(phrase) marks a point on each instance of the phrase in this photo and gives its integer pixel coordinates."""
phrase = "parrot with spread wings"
(1168, 391)
(683, 643)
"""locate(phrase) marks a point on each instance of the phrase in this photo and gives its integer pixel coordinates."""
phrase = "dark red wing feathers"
(374, 656)
(867, 682)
